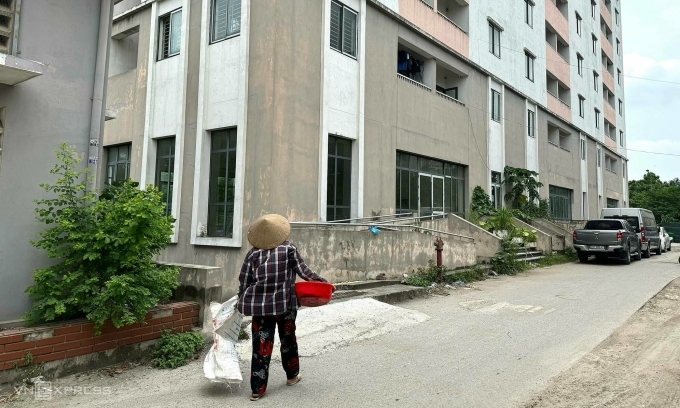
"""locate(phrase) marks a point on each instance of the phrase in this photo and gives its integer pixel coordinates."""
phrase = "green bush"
(104, 247)
(425, 276)
(175, 349)
(480, 203)
(505, 262)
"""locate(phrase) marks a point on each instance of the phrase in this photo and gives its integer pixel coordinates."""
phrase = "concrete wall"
(486, 244)
(39, 115)
(515, 130)
(343, 255)
(544, 241)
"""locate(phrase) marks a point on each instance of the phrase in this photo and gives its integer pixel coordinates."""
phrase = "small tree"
(481, 204)
(105, 247)
(521, 186)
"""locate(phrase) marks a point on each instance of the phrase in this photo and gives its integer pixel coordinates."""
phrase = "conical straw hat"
(269, 231)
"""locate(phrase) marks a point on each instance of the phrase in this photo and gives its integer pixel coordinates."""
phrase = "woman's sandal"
(255, 397)
(294, 380)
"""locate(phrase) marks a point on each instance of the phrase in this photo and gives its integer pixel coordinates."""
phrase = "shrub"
(480, 203)
(175, 349)
(505, 262)
(105, 247)
(426, 276)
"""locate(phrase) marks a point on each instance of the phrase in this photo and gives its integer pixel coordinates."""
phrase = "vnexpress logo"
(42, 390)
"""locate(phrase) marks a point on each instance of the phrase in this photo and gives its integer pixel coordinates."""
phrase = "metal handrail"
(450, 98)
(369, 218)
(325, 224)
(421, 218)
(413, 82)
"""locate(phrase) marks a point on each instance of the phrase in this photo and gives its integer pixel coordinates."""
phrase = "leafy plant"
(525, 234)
(481, 204)
(426, 276)
(503, 220)
(105, 248)
(521, 185)
(175, 349)
(505, 261)
(658, 196)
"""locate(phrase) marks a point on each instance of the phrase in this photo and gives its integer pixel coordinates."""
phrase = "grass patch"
(176, 349)
(426, 276)
(554, 259)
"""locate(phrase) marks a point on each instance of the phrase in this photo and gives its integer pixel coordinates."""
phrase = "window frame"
(621, 137)
(161, 34)
(529, 13)
(336, 157)
(228, 36)
(110, 179)
(496, 102)
(529, 63)
(596, 80)
(344, 9)
(171, 167)
(595, 41)
(581, 106)
(561, 197)
(579, 24)
(618, 47)
(619, 75)
(583, 149)
(497, 189)
(579, 63)
(617, 15)
(597, 118)
(531, 123)
(620, 107)
(212, 151)
(493, 29)
(593, 8)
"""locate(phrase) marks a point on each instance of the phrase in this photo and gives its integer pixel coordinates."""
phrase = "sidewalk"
(637, 366)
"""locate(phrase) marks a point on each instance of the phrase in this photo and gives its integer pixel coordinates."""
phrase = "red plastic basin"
(313, 294)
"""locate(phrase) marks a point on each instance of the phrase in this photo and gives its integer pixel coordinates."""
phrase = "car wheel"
(647, 253)
(583, 258)
(626, 259)
(658, 250)
(638, 254)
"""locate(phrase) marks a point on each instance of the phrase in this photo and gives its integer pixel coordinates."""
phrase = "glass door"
(437, 195)
(431, 195)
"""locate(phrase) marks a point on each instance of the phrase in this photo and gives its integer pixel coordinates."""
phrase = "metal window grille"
(222, 187)
(560, 203)
(343, 29)
(165, 171)
(170, 34)
(226, 19)
(339, 181)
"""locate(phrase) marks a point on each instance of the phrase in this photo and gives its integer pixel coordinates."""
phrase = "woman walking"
(267, 293)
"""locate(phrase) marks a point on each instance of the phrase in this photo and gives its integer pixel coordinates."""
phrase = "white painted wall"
(391, 4)
(496, 134)
(584, 84)
(584, 177)
(222, 103)
(618, 64)
(516, 36)
(532, 142)
(343, 96)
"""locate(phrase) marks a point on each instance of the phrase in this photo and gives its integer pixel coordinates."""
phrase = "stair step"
(533, 259)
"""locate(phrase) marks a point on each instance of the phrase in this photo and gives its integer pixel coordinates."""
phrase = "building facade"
(328, 110)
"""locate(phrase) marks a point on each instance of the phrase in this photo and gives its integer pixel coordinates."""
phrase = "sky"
(651, 49)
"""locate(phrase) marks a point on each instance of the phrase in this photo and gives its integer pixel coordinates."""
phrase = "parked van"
(644, 223)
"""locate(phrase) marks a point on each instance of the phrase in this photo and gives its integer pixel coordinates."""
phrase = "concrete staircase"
(530, 255)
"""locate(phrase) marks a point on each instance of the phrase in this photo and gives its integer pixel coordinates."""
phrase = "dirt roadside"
(637, 366)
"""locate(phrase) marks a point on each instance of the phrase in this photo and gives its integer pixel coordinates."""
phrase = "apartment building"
(326, 110)
(52, 86)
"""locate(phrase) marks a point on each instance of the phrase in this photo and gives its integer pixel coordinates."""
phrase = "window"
(618, 47)
(343, 29)
(165, 170)
(610, 163)
(118, 163)
(593, 8)
(529, 12)
(620, 107)
(531, 123)
(170, 34)
(581, 106)
(599, 157)
(616, 15)
(494, 39)
(529, 62)
(579, 24)
(226, 19)
(221, 183)
(611, 203)
(594, 45)
(583, 149)
(579, 59)
(419, 186)
(596, 80)
(597, 119)
(621, 137)
(495, 105)
(618, 76)
(339, 181)
(496, 190)
(560, 203)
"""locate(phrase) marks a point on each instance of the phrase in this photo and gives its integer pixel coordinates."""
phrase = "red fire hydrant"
(439, 247)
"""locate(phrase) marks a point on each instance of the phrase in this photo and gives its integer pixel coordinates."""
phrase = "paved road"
(493, 347)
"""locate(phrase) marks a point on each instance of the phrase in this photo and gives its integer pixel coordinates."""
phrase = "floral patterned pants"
(263, 345)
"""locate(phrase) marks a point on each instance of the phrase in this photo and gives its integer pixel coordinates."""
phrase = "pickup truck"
(607, 238)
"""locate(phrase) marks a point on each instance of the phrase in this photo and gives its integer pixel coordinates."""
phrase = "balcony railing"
(426, 18)
(557, 65)
(413, 82)
(557, 21)
(606, 14)
(558, 106)
(450, 98)
(451, 21)
(427, 4)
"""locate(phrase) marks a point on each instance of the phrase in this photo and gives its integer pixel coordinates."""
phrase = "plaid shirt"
(267, 279)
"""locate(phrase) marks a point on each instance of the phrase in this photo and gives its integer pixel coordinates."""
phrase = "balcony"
(557, 20)
(607, 79)
(606, 14)
(558, 107)
(557, 66)
(607, 48)
(610, 143)
(609, 114)
(15, 70)
(437, 24)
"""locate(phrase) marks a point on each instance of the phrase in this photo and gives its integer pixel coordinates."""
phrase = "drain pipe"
(99, 92)
(439, 248)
